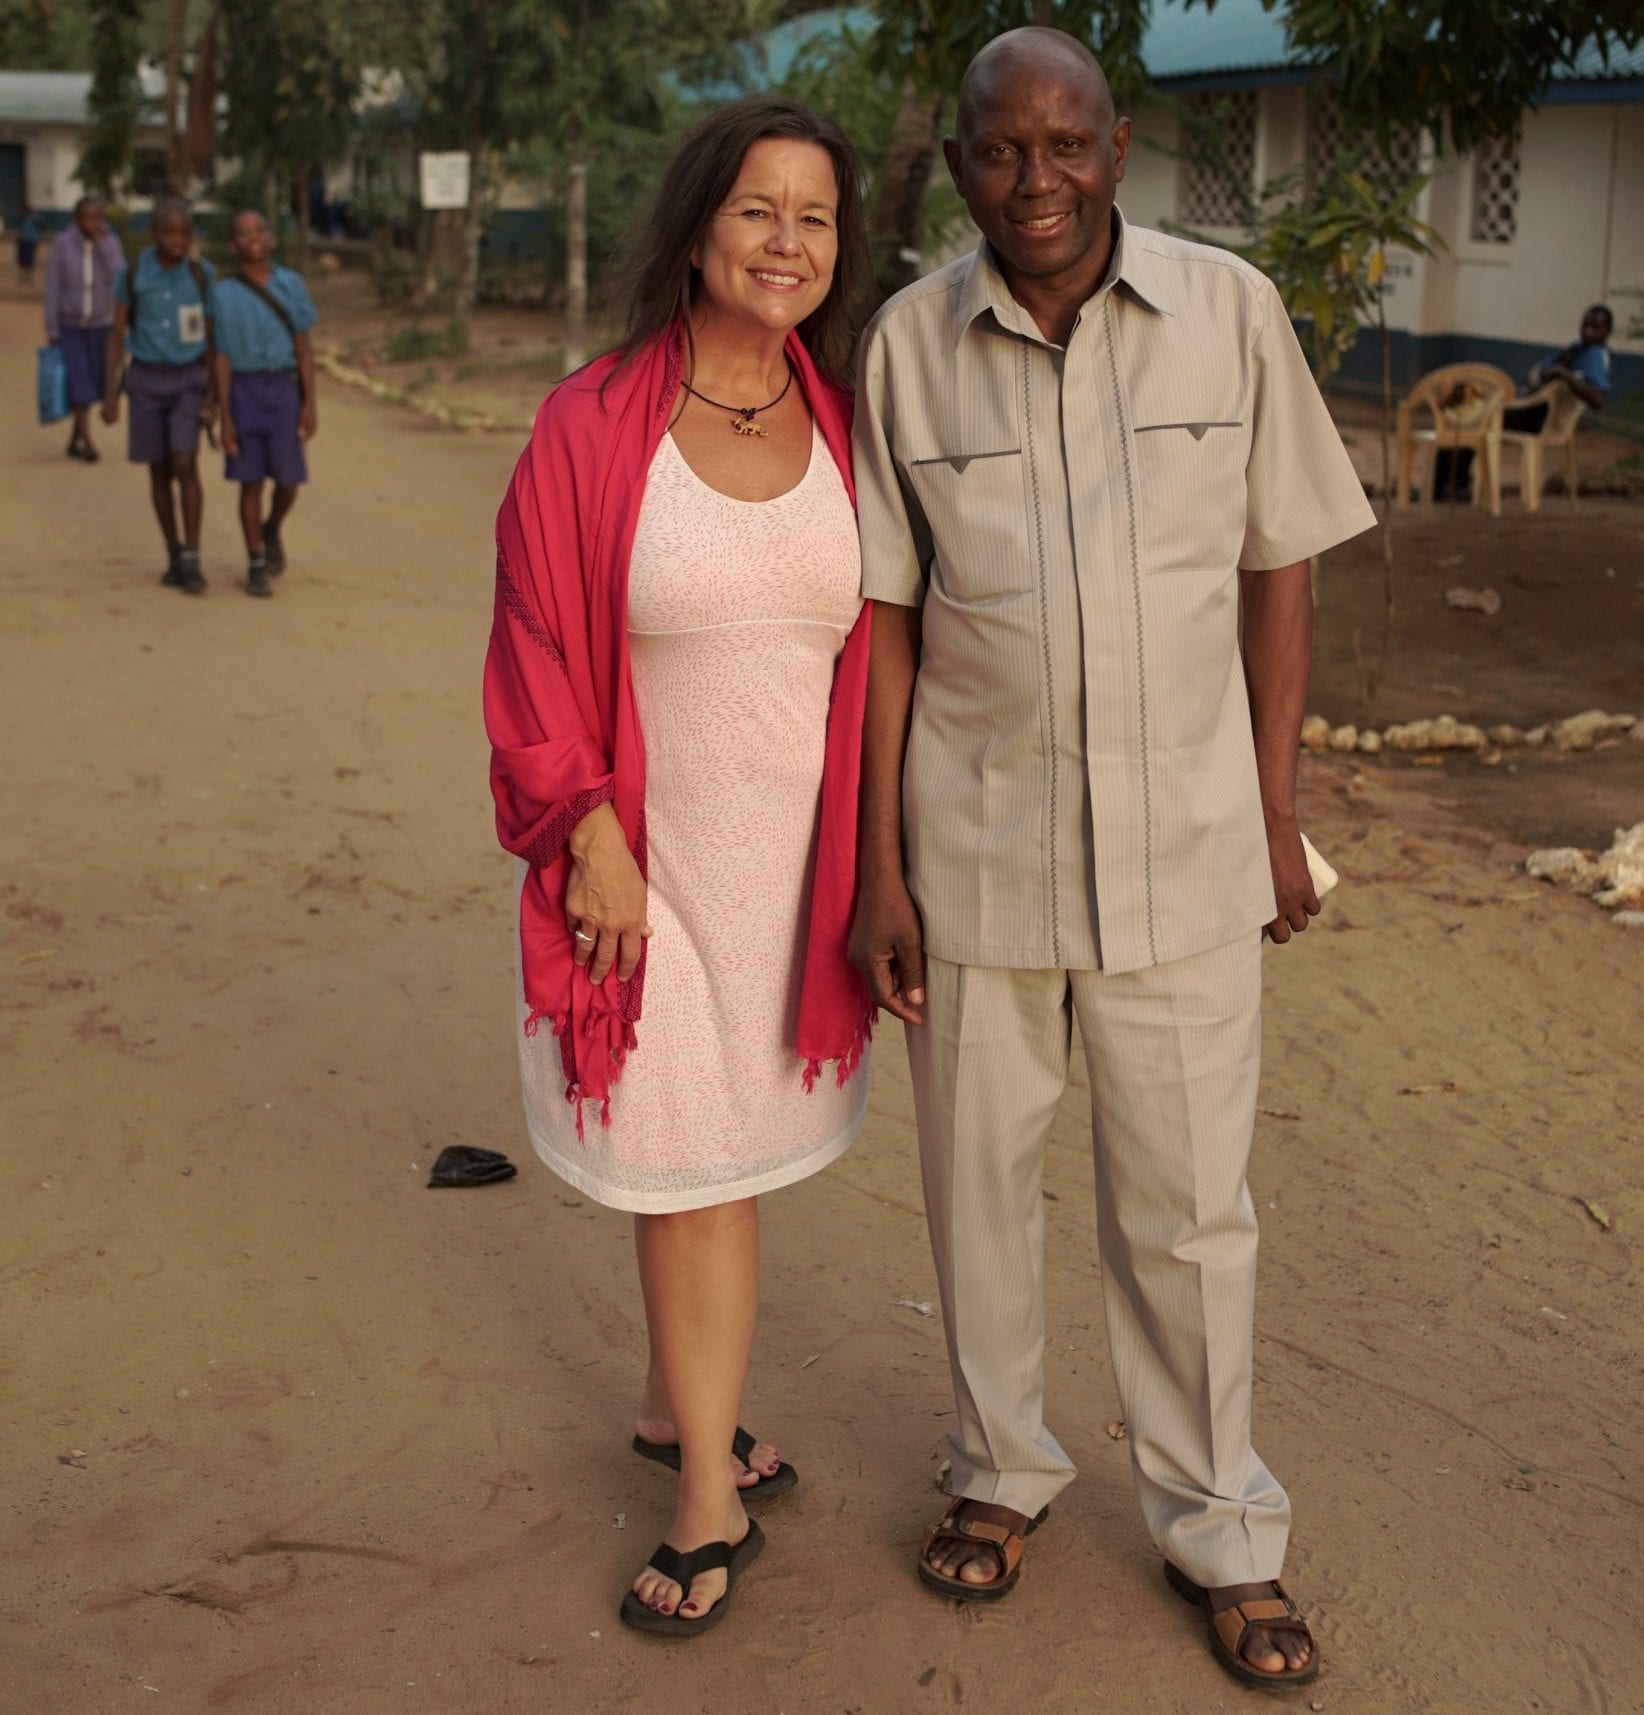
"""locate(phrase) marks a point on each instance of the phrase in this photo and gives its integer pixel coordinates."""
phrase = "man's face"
(1037, 161)
(89, 218)
(252, 241)
(1595, 328)
(172, 234)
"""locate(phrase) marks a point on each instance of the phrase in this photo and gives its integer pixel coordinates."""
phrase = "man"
(84, 262)
(1583, 368)
(1077, 451)
(260, 319)
(162, 301)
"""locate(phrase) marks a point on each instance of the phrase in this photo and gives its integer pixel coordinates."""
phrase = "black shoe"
(189, 577)
(273, 551)
(172, 577)
(256, 580)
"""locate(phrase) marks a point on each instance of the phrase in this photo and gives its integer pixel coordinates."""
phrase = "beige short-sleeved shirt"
(1080, 788)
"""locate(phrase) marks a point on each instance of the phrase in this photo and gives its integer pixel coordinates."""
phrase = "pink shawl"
(564, 729)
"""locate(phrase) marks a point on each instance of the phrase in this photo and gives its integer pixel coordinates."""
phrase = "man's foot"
(83, 450)
(1272, 1650)
(172, 577)
(662, 1595)
(256, 579)
(974, 1552)
(273, 551)
(657, 1430)
(1256, 1632)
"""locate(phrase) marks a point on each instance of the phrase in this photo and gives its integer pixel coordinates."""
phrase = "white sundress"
(737, 613)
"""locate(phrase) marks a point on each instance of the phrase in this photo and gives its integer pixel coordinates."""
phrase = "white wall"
(1580, 230)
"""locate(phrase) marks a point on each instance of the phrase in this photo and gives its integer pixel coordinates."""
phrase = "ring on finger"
(589, 939)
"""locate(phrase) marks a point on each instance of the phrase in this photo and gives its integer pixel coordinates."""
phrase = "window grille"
(1216, 181)
(1495, 192)
(1328, 136)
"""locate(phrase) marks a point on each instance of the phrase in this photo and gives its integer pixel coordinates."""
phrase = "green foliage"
(116, 99)
(418, 344)
(45, 35)
(291, 73)
(1462, 69)
(933, 41)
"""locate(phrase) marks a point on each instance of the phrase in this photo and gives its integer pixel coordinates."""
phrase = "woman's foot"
(657, 1427)
(662, 1595)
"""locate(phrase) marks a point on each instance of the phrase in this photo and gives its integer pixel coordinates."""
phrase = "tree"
(1463, 71)
(116, 95)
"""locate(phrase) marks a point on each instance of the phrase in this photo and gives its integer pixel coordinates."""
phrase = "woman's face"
(768, 256)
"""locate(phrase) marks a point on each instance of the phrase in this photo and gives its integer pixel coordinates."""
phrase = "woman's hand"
(605, 898)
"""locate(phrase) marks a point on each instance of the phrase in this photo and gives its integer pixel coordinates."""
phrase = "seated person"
(1583, 367)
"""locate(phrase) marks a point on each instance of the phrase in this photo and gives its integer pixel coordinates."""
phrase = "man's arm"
(114, 363)
(1278, 648)
(1579, 385)
(887, 939)
(222, 372)
(310, 421)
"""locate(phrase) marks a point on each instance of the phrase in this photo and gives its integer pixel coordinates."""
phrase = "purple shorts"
(84, 351)
(165, 409)
(266, 409)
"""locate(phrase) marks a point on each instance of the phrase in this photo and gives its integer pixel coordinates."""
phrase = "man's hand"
(231, 439)
(111, 408)
(308, 424)
(1292, 885)
(887, 946)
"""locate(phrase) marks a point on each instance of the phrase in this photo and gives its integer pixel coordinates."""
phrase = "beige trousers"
(1174, 1056)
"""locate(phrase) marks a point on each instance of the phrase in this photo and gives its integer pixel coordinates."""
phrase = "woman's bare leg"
(700, 1274)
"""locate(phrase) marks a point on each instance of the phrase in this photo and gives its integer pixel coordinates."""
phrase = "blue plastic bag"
(52, 385)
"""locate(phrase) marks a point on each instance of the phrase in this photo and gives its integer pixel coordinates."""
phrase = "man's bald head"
(1037, 52)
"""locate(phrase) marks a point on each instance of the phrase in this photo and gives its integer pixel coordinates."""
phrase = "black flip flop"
(780, 1481)
(682, 1568)
(463, 1164)
(1229, 1628)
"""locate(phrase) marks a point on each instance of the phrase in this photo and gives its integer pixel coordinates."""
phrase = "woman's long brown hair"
(657, 280)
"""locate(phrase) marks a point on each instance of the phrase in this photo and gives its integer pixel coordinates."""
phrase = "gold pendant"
(747, 426)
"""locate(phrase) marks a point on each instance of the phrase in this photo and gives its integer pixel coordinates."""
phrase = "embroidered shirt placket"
(1141, 644)
(1053, 759)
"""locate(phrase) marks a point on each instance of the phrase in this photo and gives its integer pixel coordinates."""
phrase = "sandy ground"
(284, 1431)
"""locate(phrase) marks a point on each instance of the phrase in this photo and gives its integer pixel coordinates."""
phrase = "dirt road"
(284, 1431)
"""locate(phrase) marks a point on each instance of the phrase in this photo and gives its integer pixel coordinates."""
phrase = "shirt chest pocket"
(980, 515)
(1190, 466)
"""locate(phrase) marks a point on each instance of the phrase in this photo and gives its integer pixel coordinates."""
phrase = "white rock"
(1370, 741)
(1583, 731)
(1506, 735)
(1444, 733)
(1566, 865)
(1345, 738)
(1629, 919)
(1536, 737)
(1315, 733)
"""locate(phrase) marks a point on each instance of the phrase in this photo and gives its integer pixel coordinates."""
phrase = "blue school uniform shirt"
(247, 331)
(171, 313)
(1592, 363)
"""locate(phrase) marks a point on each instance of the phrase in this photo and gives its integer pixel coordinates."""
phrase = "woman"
(674, 697)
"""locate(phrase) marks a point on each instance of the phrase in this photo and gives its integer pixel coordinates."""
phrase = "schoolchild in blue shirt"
(261, 316)
(1583, 367)
(162, 303)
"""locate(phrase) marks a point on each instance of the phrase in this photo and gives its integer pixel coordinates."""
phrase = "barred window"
(1495, 192)
(1216, 182)
(1328, 136)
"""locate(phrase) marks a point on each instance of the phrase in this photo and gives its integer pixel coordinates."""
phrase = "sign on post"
(444, 179)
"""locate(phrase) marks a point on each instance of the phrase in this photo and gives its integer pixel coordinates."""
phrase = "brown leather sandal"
(1230, 1628)
(1001, 1539)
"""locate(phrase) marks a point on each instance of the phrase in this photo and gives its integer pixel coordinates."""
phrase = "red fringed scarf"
(564, 729)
